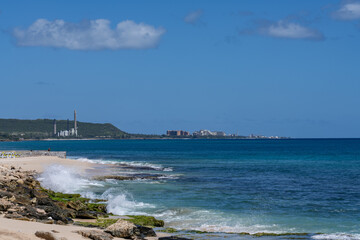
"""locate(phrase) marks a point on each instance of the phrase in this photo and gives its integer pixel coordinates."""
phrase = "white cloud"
(89, 35)
(284, 29)
(348, 11)
(193, 17)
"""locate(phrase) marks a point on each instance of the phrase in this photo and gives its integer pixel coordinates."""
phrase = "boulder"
(20, 181)
(5, 194)
(126, 229)
(41, 211)
(76, 205)
(5, 204)
(47, 236)
(147, 232)
(95, 235)
(47, 221)
(59, 217)
(16, 216)
(87, 215)
(12, 199)
(11, 210)
(33, 213)
(12, 178)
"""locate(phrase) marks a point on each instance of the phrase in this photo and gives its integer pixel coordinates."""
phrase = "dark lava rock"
(47, 236)
(95, 235)
(173, 238)
(5, 205)
(146, 231)
(86, 215)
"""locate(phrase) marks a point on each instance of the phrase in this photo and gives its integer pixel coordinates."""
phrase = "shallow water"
(238, 186)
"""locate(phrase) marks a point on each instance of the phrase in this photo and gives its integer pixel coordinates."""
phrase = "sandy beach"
(39, 163)
(24, 230)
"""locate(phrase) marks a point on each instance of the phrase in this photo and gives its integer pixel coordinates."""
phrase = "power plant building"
(69, 132)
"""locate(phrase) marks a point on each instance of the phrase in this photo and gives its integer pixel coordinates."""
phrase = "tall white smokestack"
(54, 126)
(75, 126)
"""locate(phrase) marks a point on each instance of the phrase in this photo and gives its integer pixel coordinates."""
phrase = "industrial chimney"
(54, 126)
(75, 125)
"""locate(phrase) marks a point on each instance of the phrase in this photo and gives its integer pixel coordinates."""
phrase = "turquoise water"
(226, 185)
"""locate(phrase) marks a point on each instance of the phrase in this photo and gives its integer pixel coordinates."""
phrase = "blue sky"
(283, 67)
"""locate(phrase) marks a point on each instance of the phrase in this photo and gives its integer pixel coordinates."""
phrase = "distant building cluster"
(197, 133)
(252, 136)
(177, 133)
(68, 132)
(208, 133)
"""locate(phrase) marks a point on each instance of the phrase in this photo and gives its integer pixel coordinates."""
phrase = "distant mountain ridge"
(43, 128)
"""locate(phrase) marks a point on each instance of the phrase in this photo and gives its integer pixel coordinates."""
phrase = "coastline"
(120, 174)
(156, 138)
(26, 228)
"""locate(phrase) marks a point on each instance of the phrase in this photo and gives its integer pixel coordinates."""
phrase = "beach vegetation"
(264, 234)
(197, 231)
(75, 201)
(99, 223)
(169, 230)
(147, 221)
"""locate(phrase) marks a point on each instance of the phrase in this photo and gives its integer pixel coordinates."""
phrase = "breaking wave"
(337, 236)
(122, 203)
(63, 179)
(131, 164)
(213, 221)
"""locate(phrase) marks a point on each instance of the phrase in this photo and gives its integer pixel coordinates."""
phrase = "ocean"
(223, 186)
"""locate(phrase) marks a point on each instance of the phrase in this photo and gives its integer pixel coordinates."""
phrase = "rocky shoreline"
(23, 198)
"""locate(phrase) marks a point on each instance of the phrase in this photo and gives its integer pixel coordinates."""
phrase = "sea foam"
(133, 164)
(122, 203)
(63, 179)
(213, 221)
(337, 236)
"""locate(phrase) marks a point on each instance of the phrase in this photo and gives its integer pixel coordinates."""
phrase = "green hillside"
(43, 128)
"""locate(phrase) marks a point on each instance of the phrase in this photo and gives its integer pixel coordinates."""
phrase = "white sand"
(16, 229)
(40, 163)
(24, 230)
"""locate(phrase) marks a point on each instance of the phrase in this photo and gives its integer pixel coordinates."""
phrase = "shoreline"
(39, 163)
(17, 172)
(163, 138)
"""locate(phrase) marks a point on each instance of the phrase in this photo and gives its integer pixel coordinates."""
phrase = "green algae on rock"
(169, 230)
(80, 204)
(142, 220)
(100, 223)
(263, 234)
